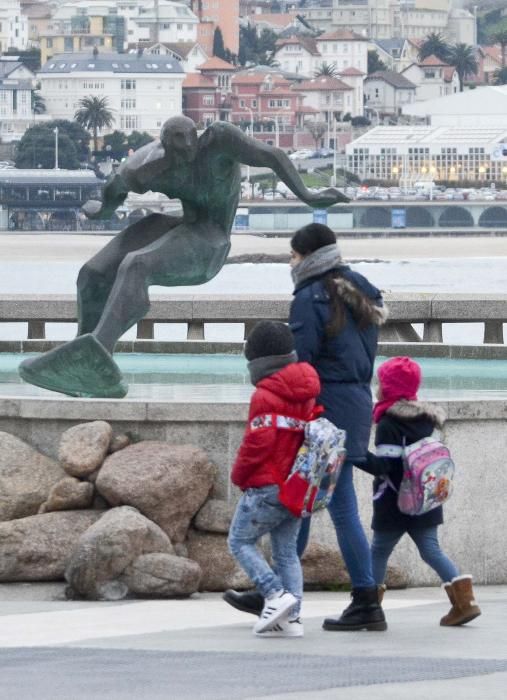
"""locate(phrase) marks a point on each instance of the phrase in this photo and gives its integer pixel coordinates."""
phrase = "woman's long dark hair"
(341, 292)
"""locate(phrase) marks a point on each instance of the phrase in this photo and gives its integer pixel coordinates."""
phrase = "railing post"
(195, 330)
(249, 325)
(399, 331)
(433, 332)
(36, 330)
(145, 330)
(493, 332)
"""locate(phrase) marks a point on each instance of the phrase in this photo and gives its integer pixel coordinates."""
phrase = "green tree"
(94, 114)
(326, 70)
(375, 63)
(37, 148)
(462, 57)
(30, 58)
(218, 44)
(117, 140)
(257, 50)
(501, 76)
(38, 103)
(138, 138)
(435, 45)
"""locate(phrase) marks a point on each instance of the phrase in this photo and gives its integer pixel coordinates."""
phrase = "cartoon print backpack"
(312, 479)
(428, 472)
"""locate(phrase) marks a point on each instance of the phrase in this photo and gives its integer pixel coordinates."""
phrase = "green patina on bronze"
(204, 173)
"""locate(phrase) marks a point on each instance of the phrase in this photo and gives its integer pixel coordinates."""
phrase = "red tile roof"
(319, 84)
(352, 71)
(196, 80)
(306, 42)
(341, 35)
(433, 61)
(215, 63)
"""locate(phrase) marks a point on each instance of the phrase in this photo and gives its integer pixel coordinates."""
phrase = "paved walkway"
(52, 649)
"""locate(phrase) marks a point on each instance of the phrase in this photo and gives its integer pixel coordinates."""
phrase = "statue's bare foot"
(82, 367)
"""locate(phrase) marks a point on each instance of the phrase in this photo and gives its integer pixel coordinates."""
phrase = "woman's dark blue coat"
(344, 362)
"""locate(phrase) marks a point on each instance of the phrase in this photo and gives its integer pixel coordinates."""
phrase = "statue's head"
(179, 136)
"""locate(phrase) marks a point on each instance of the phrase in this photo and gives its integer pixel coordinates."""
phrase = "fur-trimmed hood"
(355, 299)
(411, 410)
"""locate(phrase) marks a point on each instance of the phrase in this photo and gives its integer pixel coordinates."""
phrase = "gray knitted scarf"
(317, 263)
(263, 367)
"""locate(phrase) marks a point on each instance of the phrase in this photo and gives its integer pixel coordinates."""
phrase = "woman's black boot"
(249, 601)
(364, 613)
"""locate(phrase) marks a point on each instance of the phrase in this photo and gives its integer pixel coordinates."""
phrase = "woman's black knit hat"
(269, 338)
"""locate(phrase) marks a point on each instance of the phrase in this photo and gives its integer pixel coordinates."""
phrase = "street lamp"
(55, 131)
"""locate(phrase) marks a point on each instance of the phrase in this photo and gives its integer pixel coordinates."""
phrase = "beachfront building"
(387, 92)
(413, 153)
(137, 20)
(13, 26)
(142, 90)
(433, 78)
(16, 85)
(305, 55)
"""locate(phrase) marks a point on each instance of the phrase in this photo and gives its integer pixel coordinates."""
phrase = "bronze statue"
(204, 173)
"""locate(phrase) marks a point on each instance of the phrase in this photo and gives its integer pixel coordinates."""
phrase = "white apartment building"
(433, 78)
(387, 92)
(145, 20)
(190, 55)
(385, 19)
(302, 54)
(16, 85)
(142, 90)
(13, 26)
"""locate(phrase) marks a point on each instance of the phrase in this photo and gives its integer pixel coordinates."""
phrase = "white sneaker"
(283, 628)
(274, 608)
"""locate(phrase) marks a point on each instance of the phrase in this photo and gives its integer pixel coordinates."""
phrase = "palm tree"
(326, 70)
(94, 114)
(38, 103)
(462, 57)
(435, 45)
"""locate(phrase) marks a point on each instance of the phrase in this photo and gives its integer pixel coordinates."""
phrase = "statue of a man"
(205, 174)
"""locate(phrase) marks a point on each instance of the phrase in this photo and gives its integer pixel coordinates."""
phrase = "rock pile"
(117, 519)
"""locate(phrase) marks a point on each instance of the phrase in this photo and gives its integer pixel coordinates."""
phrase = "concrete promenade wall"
(476, 431)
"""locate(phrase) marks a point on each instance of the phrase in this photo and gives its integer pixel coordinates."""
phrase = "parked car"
(301, 155)
(323, 153)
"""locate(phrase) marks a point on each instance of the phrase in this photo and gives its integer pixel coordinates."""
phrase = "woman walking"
(335, 318)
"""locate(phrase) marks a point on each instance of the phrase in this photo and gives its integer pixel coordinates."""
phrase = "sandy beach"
(70, 247)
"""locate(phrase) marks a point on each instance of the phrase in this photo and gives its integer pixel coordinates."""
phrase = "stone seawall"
(476, 431)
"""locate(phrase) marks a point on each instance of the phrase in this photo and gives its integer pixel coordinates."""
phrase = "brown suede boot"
(464, 608)
(381, 587)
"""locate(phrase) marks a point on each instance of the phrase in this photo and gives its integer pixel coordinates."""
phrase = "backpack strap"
(274, 420)
(389, 450)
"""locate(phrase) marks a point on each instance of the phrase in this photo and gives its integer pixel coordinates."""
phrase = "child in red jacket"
(284, 388)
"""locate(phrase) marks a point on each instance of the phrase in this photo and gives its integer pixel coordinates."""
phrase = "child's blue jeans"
(258, 513)
(426, 540)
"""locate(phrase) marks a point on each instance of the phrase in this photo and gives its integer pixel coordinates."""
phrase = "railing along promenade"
(431, 311)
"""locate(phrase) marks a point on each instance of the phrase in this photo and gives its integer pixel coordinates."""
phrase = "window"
(254, 103)
(128, 84)
(242, 103)
(209, 100)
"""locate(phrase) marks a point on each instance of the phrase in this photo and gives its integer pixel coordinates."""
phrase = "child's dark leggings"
(426, 540)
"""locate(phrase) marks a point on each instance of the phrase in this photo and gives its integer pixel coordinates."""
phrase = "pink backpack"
(428, 471)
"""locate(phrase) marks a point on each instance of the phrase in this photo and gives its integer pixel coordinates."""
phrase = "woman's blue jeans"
(258, 513)
(353, 544)
(426, 540)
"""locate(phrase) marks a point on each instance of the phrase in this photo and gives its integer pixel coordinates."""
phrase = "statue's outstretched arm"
(114, 194)
(257, 154)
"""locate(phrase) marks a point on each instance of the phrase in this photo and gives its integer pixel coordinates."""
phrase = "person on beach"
(284, 399)
(335, 318)
(402, 419)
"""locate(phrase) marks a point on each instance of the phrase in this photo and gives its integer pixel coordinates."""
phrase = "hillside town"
(391, 91)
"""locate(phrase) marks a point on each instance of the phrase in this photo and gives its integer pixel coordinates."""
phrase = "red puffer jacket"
(267, 454)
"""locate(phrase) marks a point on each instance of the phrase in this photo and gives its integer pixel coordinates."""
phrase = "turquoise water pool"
(224, 378)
